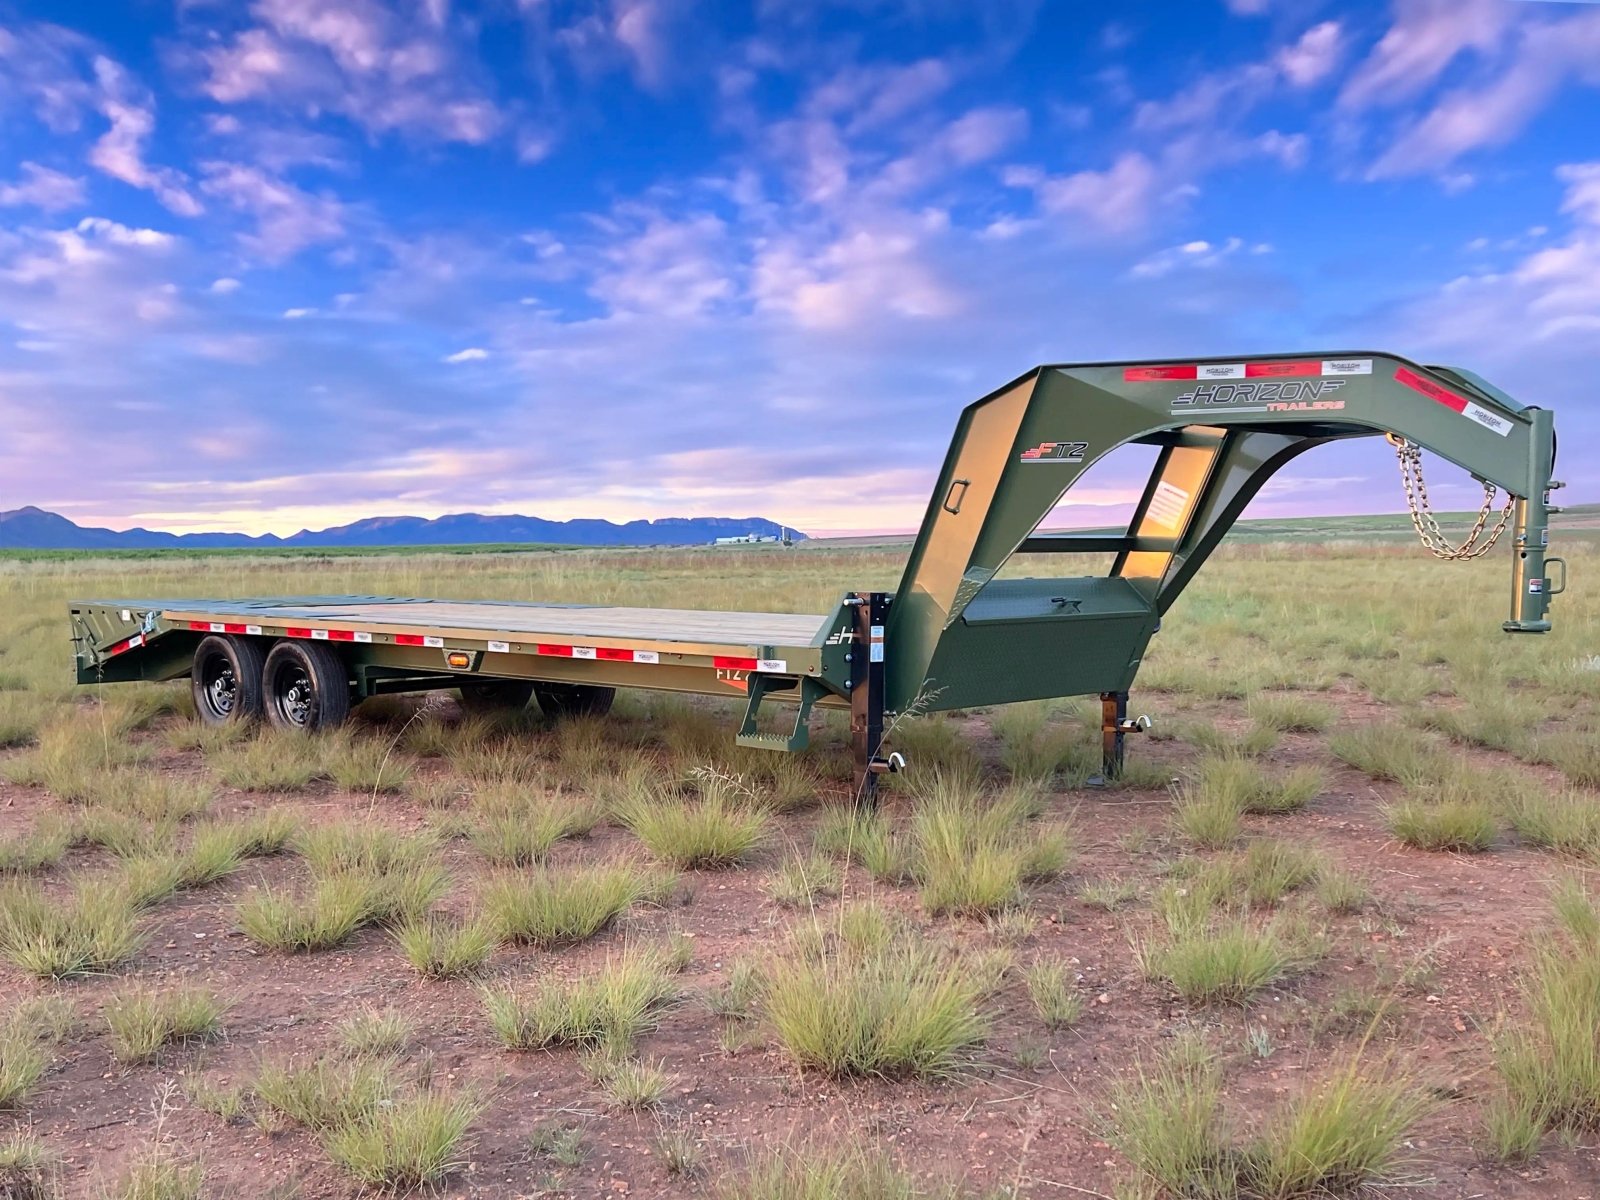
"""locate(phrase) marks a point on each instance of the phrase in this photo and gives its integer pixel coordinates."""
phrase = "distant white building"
(754, 539)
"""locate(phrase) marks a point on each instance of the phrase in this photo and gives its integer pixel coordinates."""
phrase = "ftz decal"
(1278, 395)
(1069, 452)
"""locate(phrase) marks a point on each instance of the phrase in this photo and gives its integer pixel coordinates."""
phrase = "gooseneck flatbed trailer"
(952, 634)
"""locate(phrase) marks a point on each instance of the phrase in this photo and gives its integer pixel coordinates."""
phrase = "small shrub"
(974, 850)
(268, 763)
(1207, 816)
(40, 848)
(1462, 826)
(1109, 894)
(1567, 822)
(1167, 1120)
(517, 826)
(325, 917)
(1052, 987)
(365, 764)
(1266, 871)
(327, 1093)
(904, 1008)
(608, 1008)
(93, 931)
(442, 949)
(1346, 1135)
(160, 1176)
(864, 836)
(409, 1144)
(547, 907)
(143, 1020)
(718, 827)
(1342, 891)
(358, 847)
(1290, 713)
(29, 1169)
(1391, 752)
(560, 1144)
(23, 1061)
(848, 1172)
(629, 1084)
(1224, 961)
(376, 1031)
(802, 881)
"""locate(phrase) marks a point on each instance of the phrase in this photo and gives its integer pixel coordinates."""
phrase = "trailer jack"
(1115, 726)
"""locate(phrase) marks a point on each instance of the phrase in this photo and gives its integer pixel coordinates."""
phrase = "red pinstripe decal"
(1271, 370)
(1430, 389)
(1152, 374)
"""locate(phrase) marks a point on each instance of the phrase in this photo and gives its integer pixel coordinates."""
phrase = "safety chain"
(1410, 457)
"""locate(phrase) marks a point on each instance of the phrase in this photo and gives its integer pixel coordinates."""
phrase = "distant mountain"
(35, 529)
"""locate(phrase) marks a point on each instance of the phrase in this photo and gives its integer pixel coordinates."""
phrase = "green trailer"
(953, 634)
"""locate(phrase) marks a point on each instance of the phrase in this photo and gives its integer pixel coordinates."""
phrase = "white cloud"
(1493, 110)
(43, 188)
(298, 314)
(1315, 56)
(470, 354)
(287, 219)
(225, 286)
(1195, 255)
(1117, 200)
(363, 59)
(1421, 45)
(120, 150)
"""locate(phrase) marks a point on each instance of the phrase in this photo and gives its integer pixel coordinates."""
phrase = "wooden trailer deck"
(520, 621)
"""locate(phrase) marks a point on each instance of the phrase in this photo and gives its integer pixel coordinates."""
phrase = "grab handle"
(953, 499)
(1550, 589)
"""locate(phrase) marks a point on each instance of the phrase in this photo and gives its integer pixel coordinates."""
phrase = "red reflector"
(118, 648)
(300, 633)
(408, 639)
(1152, 374)
(1430, 389)
(612, 654)
(735, 664)
(341, 635)
(557, 651)
(1278, 369)
(235, 629)
(202, 626)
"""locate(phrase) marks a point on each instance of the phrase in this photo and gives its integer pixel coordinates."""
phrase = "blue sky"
(288, 263)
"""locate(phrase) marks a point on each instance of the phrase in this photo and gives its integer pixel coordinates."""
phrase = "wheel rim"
(293, 694)
(220, 686)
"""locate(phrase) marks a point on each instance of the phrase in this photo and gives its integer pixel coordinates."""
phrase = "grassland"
(1334, 932)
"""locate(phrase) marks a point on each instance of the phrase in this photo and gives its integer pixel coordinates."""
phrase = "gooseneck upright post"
(1530, 588)
(866, 694)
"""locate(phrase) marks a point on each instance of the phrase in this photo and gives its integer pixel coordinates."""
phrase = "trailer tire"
(496, 695)
(305, 687)
(226, 680)
(574, 699)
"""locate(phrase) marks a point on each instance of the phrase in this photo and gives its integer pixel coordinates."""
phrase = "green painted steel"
(954, 634)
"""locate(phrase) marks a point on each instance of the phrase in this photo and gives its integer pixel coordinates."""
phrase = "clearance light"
(458, 659)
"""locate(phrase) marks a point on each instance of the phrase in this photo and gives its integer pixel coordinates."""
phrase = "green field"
(1330, 933)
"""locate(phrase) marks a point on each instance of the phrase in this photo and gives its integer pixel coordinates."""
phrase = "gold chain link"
(1409, 455)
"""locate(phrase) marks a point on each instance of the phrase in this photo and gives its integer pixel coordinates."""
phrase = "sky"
(277, 264)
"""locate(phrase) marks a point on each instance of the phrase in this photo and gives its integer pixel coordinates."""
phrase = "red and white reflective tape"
(223, 627)
(126, 644)
(1474, 412)
(1297, 368)
(417, 639)
(597, 653)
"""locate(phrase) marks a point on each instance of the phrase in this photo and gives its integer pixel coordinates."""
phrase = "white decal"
(126, 615)
(319, 635)
(1167, 505)
(772, 664)
(1347, 366)
(1487, 419)
(362, 637)
(584, 652)
(1220, 371)
(500, 647)
(433, 641)
(135, 641)
(254, 630)
(646, 656)
(218, 627)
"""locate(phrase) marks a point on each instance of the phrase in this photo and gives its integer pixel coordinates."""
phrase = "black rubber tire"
(226, 680)
(573, 699)
(496, 695)
(323, 697)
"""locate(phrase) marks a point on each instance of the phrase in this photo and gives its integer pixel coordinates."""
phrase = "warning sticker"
(1347, 366)
(1487, 419)
(1221, 371)
(1167, 505)
(500, 647)
(1535, 586)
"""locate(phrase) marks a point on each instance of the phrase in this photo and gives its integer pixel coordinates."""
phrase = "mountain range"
(35, 529)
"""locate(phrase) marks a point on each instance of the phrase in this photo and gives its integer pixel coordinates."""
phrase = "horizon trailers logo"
(1274, 395)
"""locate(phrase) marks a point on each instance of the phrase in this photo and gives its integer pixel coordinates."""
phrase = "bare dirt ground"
(1443, 942)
